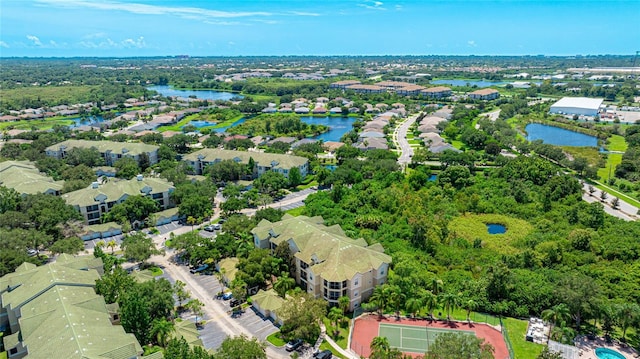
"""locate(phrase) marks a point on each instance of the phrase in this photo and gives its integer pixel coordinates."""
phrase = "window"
(355, 294)
(382, 271)
(13, 351)
(344, 284)
(355, 283)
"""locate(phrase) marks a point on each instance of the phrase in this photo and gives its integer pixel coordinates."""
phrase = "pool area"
(606, 353)
(496, 228)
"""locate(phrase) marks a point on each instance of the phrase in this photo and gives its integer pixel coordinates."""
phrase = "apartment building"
(263, 162)
(94, 201)
(329, 264)
(53, 311)
(110, 151)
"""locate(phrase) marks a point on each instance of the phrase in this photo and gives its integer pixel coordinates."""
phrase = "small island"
(278, 125)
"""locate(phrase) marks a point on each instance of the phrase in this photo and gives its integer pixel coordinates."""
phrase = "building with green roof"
(267, 303)
(328, 263)
(264, 162)
(25, 178)
(111, 151)
(53, 311)
(92, 202)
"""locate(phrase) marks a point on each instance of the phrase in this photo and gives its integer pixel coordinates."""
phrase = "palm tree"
(627, 314)
(100, 244)
(195, 305)
(557, 315)
(283, 284)
(430, 302)
(112, 244)
(380, 297)
(343, 303)
(161, 329)
(335, 315)
(379, 345)
(192, 221)
(396, 298)
(436, 285)
(469, 306)
(413, 305)
(449, 302)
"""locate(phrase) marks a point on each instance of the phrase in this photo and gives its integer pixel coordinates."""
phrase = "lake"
(169, 91)
(89, 120)
(338, 126)
(478, 83)
(559, 136)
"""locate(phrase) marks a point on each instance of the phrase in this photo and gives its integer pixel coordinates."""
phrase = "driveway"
(624, 211)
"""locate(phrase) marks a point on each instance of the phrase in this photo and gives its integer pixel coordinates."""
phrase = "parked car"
(325, 354)
(227, 296)
(293, 345)
(234, 303)
(199, 269)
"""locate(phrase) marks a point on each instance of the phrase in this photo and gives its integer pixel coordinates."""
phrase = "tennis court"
(408, 338)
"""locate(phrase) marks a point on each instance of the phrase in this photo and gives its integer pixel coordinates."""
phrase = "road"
(214, 309)
(624, 211)
(290, 201)
(400, 139)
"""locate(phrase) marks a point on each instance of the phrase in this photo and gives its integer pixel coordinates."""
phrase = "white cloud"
(146, 9)
(372, 5)
(471, 43)
(231, 43)
(35, 40)
(303, 13)
(398, 7)
(108, 43)
(4, 44)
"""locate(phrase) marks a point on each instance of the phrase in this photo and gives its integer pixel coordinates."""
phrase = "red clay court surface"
(366, 328)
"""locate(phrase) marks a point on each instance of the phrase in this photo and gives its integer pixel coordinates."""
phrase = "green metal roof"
(62, 316)
(229, 266)
(129, 148)
(328, 251)
(262, 159)
(115, 190)
(268, 300)
(25, 178)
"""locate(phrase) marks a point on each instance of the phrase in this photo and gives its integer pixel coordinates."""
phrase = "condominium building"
(53, 311)
(110, 151)
(25, 178)
(97, 199)
(436, 92)
(484, 94)
(328, 264)
(263, 162)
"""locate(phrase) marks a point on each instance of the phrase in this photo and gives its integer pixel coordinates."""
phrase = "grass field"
(48, 94)
(522, 349)
(413, 339)
(38, 124)
(275, 339)
(617, 143)
(474, 226)
(343, 332)
(613, 159)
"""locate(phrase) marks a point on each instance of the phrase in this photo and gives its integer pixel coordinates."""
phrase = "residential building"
(437, 92)
(53, 311)
(329, 264)
(410, 90)
(110, 151)
(25, 178)
(263, 161)
(484, 94)
(344, 84)
(366, 88)
(97, 199)
(581, 106)
(267, 303)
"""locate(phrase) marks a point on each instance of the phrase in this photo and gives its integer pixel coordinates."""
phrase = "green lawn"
(457, 144)
(622, 196)
(522, 349)
(415, 142)
(617, 143)
(276, 340)
(155, 271)
(176, 127)
(474, 226)
(343, 333)
(39, 124)
(613, 159)
(325, 346)
(296, 211)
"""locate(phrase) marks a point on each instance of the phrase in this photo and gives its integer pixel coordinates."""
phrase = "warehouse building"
(581, 106)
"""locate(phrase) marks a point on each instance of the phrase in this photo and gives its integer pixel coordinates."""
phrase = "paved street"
(400, 138)
(625, 211)
(290, 201)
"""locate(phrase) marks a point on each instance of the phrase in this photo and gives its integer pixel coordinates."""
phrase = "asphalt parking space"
(91, 244)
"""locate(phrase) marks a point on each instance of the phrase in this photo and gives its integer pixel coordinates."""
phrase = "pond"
(559, 136)
(478, 83)
(432, 178)
(201, 94)
(83, 121)
(338, 126)
(495, 228)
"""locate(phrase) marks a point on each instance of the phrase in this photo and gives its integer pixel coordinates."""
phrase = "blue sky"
(297, 27)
